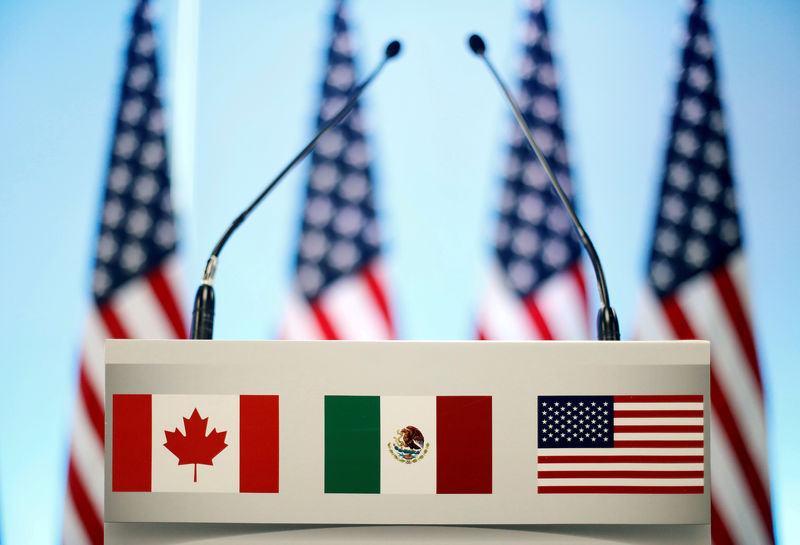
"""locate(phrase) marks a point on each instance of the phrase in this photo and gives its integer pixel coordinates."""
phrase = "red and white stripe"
(559, 309)
(354, 307)
(658, 449)
(714, 306)
(147, 308)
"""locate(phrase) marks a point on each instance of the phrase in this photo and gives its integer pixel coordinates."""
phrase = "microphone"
(203, 310)
(607, 324)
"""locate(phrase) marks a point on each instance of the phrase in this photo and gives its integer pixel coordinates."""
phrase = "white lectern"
(338, 441)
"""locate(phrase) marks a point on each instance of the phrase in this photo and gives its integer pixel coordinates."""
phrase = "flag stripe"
(87, 453)
(92, 404)
(258, 443)
(464, 422)
(161, 288)
(74, 532)
(624, 474)
(614, 459)
(87, 513)
(659, 399)
(536, 317)
(378, 294)
(542, 467)
(620, 489)
(725, 418)
(662, 444)
(657, 429)
(657, 414)
(131, 464)
(719, 530)
(113, 323)
(322, 321)
(732, 302)
(352, 444)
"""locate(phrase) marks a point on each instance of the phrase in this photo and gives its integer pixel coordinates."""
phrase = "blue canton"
(697, 227)
(137, 230)
(535, 238)
(575, 421)
(340, 232)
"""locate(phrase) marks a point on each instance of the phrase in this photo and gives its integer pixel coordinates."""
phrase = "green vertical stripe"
(352, 444)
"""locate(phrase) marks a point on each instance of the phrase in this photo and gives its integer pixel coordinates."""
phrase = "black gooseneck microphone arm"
(203, 310)
(607, 324)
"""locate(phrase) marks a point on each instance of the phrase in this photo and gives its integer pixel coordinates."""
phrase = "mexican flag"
(408, 444)
(194, 443)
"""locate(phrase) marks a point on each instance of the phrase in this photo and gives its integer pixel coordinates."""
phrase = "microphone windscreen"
(477, 45)
(392, 49)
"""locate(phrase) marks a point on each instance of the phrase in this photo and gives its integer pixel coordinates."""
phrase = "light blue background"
(438, 128)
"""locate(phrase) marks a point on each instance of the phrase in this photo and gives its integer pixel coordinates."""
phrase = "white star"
(341, 76)
(145, 44)
(502, 236)
(729, 231)
(140, 76)
(324, 176)
(546, 108)
(348, 221)
(686, 143)
(309, 277)
(699, 77)
(330, 106)
(155, 122)
(357, 155)
(673, 208)
(703, 219)
(522, 275)
(331, 144)
(559, 221)
(313, 245)
(165, 234)
(714, 154)
(343, 255)
(371, 234)
(525, 242)
(709, 186)
(531, 208)
(319, 211)
(342, 45)
(125, 145)
(692, 110)
(132, 110)
(534, 176)
(145, 188)
(106, 247)
(716, 122)
(531, 34)
(702, 45)
(139, 222)
(101, 281)
(662, 274)
(513, 167)
(119, 178)
(697, 252)
(152, 154)
(544, 139)
(354, 187)
(113, 213)
(132, 256)
(555, 253)
(679, 175)
(547, 76)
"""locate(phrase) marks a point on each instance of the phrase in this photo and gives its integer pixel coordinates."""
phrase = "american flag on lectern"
(536, 285)
(696, 288)
(339, 289)
(135, 285)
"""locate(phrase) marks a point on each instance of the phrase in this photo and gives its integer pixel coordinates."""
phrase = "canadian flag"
(194, 443)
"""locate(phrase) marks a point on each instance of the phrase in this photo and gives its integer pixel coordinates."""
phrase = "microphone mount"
(607, 324)
(203, 311)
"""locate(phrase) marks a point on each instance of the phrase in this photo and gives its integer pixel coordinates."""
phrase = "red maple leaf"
(195, 447)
